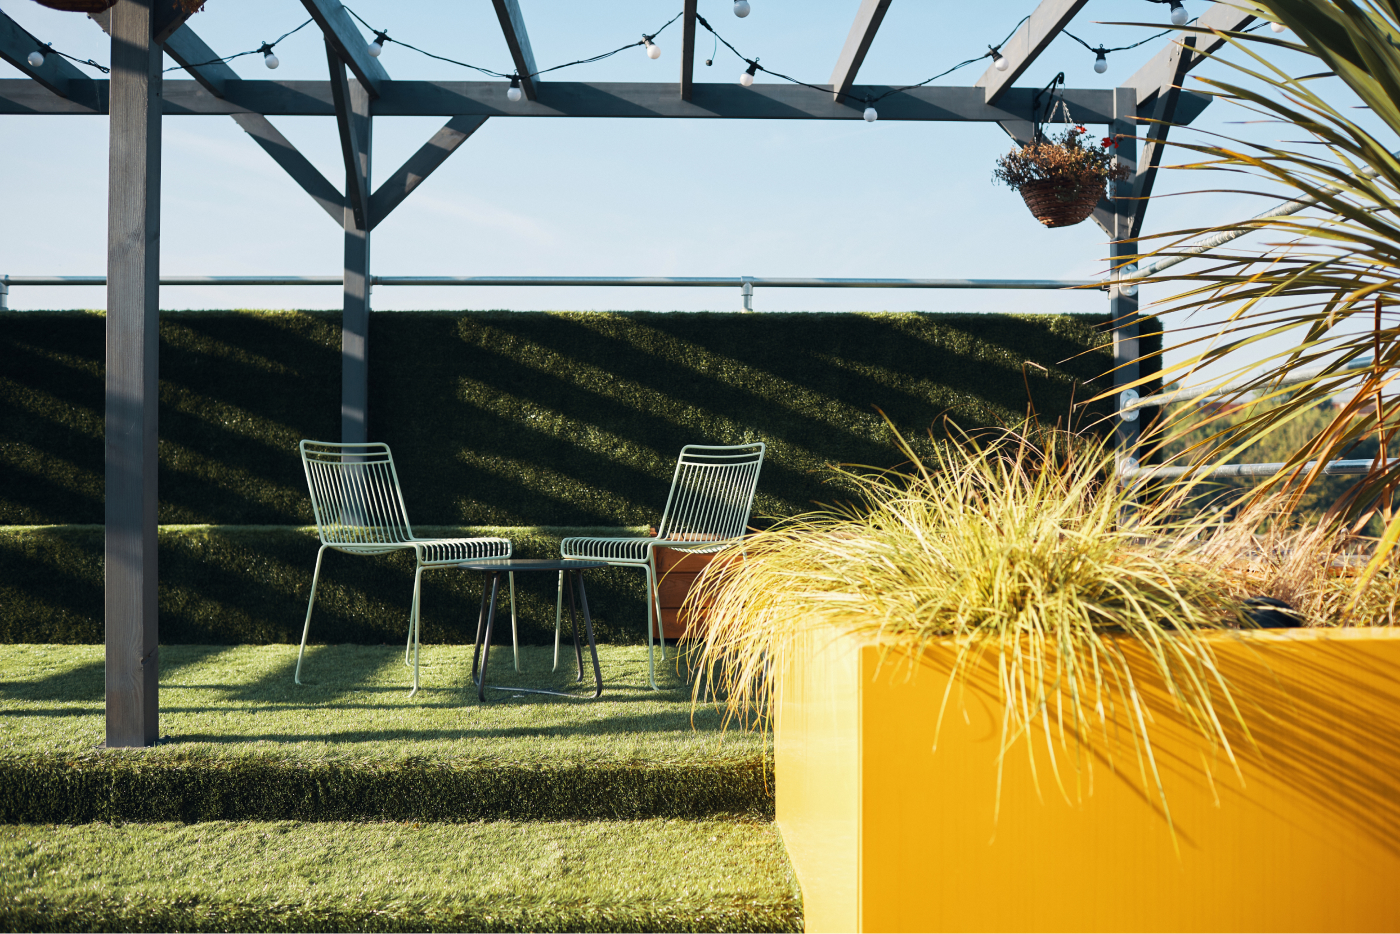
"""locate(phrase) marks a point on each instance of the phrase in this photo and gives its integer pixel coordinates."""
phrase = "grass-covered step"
(243, 741)
(655, 875)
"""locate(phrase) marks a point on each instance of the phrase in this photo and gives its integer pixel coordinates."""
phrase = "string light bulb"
(1101, 60)
(513, 93)
(746, 79)
(1178, 13)
(376, 48)
(871, 115)
(653, 50)
(269, 59)
(999, 61)
(1277, 27)
(741, 8)
(36, 59)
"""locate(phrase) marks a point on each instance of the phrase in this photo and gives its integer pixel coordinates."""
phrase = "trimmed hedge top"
(510, 418)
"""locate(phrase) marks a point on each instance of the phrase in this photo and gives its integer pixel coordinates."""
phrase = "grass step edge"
(126, 788)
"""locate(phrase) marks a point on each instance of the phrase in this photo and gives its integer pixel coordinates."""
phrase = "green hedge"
(530, 419)
(249, 585)
(122, 787)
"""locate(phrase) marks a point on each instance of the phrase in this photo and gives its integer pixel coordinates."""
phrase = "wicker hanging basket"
(78, 6)
(1057, 203)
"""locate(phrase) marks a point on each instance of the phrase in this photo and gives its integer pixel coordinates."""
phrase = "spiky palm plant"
(1327, 277)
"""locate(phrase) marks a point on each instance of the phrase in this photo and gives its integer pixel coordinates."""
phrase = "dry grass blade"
(995, 548)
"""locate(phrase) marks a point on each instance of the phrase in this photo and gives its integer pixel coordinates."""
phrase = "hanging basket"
(1057, 203)
(78, 6)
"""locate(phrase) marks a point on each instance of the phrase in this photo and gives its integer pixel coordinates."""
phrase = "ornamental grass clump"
(992, 549)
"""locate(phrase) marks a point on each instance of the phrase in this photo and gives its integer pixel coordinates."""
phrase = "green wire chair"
(359, 510)
(711, 497)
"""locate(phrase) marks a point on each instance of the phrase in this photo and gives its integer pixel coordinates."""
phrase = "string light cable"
(382, 36)
(269, 59)
(44, 50)
(871, 115)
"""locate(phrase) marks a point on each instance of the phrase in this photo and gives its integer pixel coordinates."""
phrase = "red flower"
(1082, 129)
(1109, 141)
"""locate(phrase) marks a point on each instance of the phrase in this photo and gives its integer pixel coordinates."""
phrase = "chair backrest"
(355, 493)
(711, 492)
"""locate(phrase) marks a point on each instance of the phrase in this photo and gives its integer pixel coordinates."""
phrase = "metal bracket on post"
(747, 292)
(4, 296)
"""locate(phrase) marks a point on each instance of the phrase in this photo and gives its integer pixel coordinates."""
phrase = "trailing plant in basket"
(1061, 178)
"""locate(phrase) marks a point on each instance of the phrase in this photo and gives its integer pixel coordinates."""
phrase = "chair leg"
(514, 634)
(558, 618)
(651, 654)
(415, 626)
(310, 604)
(654, 595)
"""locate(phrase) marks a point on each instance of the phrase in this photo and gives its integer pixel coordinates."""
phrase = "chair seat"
(438, 551)
(624, 550)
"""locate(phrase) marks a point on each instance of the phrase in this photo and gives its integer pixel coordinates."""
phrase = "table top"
(530, 564)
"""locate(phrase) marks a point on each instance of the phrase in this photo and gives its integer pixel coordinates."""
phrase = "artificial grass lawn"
(244, 741)
(654, 875)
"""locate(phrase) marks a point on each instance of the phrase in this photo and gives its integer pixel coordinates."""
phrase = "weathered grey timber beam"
(1123, 307)
(1022, 49)
(355, 294)
(518, 41)
(868, 19)
(1159, 71)
(132, 344)
(57, 74)
(356, 185)
(577, 99)
(420, 165)
(688, 12)
(293, 163)
(344, 36)
(1162, 114)
(202, 62)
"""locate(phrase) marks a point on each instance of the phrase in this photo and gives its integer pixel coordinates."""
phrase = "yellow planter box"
(887, 835)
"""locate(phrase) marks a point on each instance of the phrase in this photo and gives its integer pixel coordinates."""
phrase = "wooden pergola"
(136, 98)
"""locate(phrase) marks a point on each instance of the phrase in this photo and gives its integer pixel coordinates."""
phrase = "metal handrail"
(745, 284)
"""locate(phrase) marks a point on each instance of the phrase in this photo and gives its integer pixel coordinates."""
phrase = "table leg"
(481, 620)
(592, 643)
(573, 621)
(486, 647)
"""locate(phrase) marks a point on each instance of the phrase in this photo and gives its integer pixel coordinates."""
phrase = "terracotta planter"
(887, 835)
(1057, 204)
(678, 570)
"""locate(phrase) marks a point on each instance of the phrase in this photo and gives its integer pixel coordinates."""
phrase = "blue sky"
(598, 197)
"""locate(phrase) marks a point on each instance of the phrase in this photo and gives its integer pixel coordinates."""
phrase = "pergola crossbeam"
(57, 74)
(518, 42)
(343, 36)
(420, 165)
(858, 40)
(588, 99)
(1024, 47)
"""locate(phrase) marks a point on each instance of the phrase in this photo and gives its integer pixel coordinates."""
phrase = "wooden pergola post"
(133, 283)
(352, 110)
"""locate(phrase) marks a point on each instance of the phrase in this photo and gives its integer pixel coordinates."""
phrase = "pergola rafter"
(868, 19)
(518, 42)
(136, 97)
